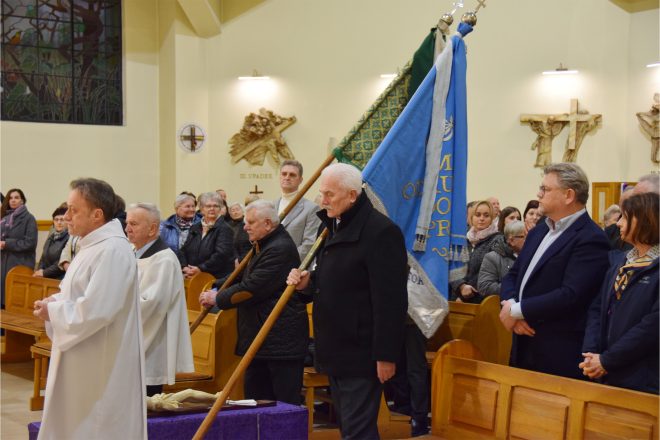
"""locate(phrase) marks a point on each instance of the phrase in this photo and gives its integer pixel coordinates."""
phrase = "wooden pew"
(477, 399)
(477, 323)
(22, 328)
(213, 346)
(194, 286)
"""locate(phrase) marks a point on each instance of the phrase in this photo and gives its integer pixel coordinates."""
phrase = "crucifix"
(256, 190)
(648, 122)
(193, 137)
(261, 135)
(547, 127)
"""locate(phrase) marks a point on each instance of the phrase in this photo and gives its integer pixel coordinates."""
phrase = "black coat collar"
(351, 223)
(157, 246)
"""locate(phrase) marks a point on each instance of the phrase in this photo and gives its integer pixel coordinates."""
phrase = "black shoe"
(419, 427)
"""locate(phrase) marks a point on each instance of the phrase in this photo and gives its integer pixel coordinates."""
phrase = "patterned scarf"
(184, 228)
(634, 264)
(7, 221)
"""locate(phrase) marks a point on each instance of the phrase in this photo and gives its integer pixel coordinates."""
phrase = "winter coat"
(261, 285)
(474, 265)
(494, 266)
(50, 256)
(213, 253)
(625, 331)
(20, 246)
(169, 232)
(360, 294)
(242, 243)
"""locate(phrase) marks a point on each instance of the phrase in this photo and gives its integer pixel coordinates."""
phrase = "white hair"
(211, 196)
(153, 213)
(348, 176)
(183, 198)
(264, 209)
(513, 228)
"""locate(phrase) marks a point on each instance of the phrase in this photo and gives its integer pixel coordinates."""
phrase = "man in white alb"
(95, 387)
(167, 345)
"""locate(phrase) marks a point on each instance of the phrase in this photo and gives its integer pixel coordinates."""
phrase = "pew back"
(194, 286)
(479, 324)
(477, 399)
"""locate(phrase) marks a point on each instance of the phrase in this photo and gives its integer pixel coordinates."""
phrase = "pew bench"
(22, 328)
(476, 399)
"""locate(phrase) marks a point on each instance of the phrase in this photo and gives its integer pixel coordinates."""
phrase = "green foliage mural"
(62, 61)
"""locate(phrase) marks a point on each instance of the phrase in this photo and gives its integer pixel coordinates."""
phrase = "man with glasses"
(548, 290)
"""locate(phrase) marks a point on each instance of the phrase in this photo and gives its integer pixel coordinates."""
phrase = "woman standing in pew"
(621, 339)
(49, 264)
(18, 235)
(483, 237)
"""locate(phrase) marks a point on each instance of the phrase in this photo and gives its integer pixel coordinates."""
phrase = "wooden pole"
(256, 344)
(246, 259)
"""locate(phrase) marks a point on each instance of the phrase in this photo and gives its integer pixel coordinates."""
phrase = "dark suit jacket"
(557, 296)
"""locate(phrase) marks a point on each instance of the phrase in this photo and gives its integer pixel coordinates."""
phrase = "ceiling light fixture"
(561, 70)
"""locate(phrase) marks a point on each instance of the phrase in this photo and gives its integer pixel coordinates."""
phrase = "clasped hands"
(515, 325)
(41, 308)
(190, 271)
(591, 366)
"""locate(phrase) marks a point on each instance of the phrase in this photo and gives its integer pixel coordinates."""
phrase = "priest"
(95, 386)
(167, 345)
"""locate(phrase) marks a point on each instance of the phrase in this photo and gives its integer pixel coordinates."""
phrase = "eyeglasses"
(212, 206)
(544, 189)
(517, 236)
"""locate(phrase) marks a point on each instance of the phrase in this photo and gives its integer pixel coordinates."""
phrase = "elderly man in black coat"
(360, 300)
(277, 369)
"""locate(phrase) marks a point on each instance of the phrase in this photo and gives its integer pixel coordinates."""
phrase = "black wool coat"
(214, 253)
(359, 292)
(261, 286)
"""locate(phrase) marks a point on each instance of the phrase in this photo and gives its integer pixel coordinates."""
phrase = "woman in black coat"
(621, 339)
(50, 256)
(210, 243)
(18, 235)
(236, 222)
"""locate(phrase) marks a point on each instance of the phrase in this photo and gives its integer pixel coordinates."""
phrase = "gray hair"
(513, 228)
(652, 180)
(181, 199)
(571, 176)
(210, 196)
(612, 210)
(239, 204)
(264, 209)
(348, 176)
(152, 210)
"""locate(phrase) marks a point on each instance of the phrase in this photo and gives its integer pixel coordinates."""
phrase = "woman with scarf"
(50, 256)
(621, 339)
(210, 243)
(482, 237)
(236, 222)
(18, 235)
(497, 262)
(174, 231)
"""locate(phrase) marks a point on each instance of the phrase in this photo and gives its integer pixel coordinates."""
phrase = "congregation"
(580, 301)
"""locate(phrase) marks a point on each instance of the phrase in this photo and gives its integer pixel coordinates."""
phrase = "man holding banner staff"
(360, 300)
(276, 371)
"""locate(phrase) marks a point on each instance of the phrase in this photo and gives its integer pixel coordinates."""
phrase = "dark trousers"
(267, 379)
(410, 384)
(356, 401)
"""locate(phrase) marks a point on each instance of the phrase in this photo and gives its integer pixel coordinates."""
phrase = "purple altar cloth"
(279, 422)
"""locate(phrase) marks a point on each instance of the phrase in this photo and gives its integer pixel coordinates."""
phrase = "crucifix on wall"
(547, 127)
(648, 122)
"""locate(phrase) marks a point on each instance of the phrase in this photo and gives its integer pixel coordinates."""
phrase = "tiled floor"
(15, 392)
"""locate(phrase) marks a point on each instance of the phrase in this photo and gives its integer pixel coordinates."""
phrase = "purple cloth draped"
(279, 422)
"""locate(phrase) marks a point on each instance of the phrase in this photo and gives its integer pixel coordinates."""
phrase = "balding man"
(558, 273)
(276, 371)
(360, 300)
(167, 345)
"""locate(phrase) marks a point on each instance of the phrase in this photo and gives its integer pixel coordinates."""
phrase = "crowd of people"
(580, 301)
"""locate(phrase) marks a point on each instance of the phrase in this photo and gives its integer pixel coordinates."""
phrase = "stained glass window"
(62, 61)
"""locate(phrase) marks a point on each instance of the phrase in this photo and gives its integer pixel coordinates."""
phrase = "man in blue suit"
(547, 292)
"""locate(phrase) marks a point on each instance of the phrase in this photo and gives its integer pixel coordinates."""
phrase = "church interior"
(319, 66)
